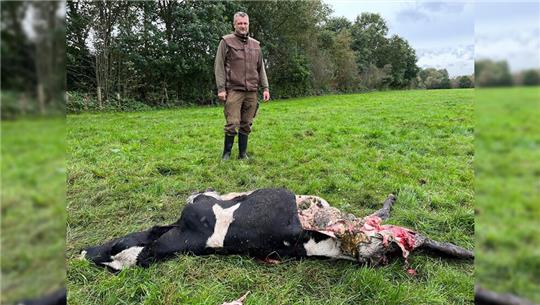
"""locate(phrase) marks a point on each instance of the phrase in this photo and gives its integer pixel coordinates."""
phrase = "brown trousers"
(239, 111)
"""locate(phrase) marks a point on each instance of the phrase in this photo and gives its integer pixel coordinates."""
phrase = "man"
(239, 70)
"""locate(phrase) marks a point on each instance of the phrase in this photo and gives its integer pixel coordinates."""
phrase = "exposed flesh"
(365, 239)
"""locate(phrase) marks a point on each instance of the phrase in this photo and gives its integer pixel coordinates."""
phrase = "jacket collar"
(243, 38)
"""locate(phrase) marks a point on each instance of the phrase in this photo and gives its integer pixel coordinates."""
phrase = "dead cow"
(269, 224)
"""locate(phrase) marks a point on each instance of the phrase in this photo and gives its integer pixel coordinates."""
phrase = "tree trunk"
(85, 102)
(166, 94)
(100, 101)
(41, 98)
(23, 103)
(107, 14)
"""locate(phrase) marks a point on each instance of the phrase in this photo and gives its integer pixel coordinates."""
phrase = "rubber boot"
(227, 147)
(242, 146)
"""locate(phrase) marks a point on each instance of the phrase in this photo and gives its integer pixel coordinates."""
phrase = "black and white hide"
(268, 224)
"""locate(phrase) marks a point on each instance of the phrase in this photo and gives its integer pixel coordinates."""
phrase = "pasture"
(33, 208)
(129, 171)
(507, 197)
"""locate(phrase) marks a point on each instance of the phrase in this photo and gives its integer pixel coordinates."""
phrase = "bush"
(490, 73)
(465, 82)
(78, 102)
(10, 106)
(531, 78)
(15, 104)
(431, 78)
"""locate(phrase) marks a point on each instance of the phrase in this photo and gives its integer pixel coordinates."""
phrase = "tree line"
(161, 53)
(33, 58)
(493, 73)
(129, 55)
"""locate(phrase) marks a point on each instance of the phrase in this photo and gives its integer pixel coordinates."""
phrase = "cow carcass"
(269, 224)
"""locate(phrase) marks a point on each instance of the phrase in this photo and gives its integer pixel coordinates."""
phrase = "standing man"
(239, 70)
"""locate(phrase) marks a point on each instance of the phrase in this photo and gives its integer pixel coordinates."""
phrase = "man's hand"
(222, 96)
(266, 95)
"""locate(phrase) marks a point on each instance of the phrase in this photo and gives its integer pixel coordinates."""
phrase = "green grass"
(33, 208)
(129, 171)
(508, 191)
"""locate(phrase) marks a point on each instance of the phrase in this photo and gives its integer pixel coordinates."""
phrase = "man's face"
(241, 25)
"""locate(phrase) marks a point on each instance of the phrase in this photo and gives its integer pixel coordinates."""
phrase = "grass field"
(33, 208)
(129, 171)
(508, 190)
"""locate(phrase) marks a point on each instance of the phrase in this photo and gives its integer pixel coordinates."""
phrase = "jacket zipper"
(245, 67)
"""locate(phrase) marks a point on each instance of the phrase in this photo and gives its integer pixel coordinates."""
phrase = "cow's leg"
(442, 249)
(169, 244)
(384, 212)
(122, 252)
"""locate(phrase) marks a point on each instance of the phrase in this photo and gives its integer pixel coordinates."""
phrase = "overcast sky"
(509, 31)
(443, 33)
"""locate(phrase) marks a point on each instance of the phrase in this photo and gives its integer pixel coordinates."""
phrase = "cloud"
(442, 7)
(519, 48)
(504, 42)
(429, 11)
(458, 60)
(411, 15)
(509, 31)
(442, 33)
